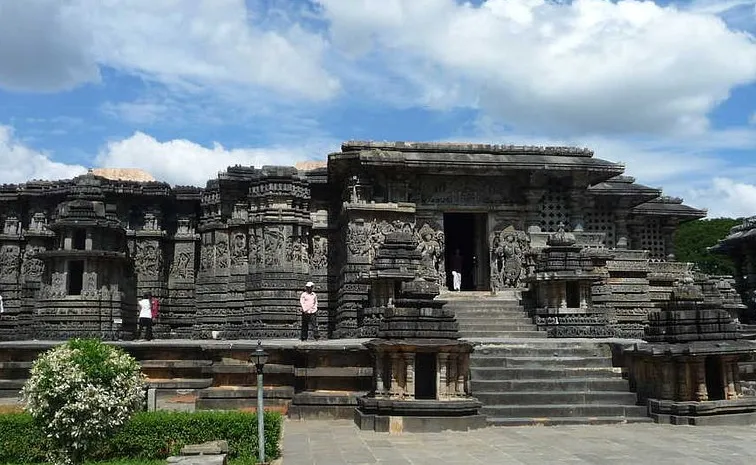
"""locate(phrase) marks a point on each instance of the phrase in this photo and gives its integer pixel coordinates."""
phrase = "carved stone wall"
(363, 230)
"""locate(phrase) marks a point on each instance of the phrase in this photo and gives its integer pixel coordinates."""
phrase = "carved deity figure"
(221, 254)
(238, 250)
(8, 261)
(274, 246)
(182, 267)
(255, 248)
(358, 237)
(508, 258)
(319, 252)
(32, 266)
(430, 251)
(148, 259)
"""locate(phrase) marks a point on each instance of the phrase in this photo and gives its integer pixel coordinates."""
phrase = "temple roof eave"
(595, 170)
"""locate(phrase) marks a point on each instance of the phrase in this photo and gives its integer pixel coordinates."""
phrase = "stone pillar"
(452, 375)
(702, 393)
(683, 381)
(728, 380)
(461, 375)
(380, 387)
(395, 389)
(578, 205)
(409, 383)
(622, 233)
(668, 234)
(668, 380)
(533, 209)
(442, 359)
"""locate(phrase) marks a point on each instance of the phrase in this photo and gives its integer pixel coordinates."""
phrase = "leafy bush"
(694, 238)
(155, 435)
(80, 392)
(150, 435)
(21, 440)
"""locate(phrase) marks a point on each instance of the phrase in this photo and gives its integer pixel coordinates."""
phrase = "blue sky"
(183, 89)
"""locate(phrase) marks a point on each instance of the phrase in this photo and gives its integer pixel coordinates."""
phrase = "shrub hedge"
(149, 435)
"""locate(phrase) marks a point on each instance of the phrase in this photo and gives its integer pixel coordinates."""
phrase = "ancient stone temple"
(229, 260)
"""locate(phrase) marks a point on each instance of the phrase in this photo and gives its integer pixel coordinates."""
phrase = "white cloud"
(728, 198)
(198, 45)
(752, 119)
(184, 162)
(20, 163)
(589, 66)
(43, 47)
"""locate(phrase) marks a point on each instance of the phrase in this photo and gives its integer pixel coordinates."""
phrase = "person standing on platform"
(309, 303)
(145, 317)
(456, 265)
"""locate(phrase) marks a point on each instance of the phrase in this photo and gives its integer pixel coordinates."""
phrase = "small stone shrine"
(688, 372)
(421, 369)
(562, 288)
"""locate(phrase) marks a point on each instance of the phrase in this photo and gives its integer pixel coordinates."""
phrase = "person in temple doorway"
(456, 266)
(308, 300)
(145, 317)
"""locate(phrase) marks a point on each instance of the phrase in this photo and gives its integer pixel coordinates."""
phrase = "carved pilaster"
(409, 383)
(442, 361)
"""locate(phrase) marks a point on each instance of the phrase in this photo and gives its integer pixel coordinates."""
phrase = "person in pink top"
(309, 302)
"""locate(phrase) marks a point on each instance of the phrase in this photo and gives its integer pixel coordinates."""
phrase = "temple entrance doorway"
(467, 247)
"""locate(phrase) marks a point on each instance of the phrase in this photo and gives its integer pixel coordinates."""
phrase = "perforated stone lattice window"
(651, 238)
(602, 220)
(554, 210)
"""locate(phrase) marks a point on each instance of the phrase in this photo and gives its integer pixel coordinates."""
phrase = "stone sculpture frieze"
(365, 238)
(274, 246)
(32, 266)
(148, 259)
(221, 253)
(238, 249)
(457, 191)
(9, 261)
(183, 265)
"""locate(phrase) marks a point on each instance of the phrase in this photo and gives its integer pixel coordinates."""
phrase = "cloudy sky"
(183, 89)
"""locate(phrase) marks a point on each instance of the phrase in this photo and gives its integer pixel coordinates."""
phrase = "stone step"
(489, 373)
(557, 421)
(542, 350)
(556, 398)
(504, 334)
(476, 327)
(471, 318)
(487, 311)
(540, 362)
(549, 385)
(563, 410)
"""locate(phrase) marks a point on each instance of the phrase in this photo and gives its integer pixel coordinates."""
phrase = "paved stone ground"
(341, 443)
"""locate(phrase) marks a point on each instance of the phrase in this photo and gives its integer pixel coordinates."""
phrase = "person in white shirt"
(145, 317)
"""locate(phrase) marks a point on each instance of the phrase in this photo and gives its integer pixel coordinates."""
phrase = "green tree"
(693, 238)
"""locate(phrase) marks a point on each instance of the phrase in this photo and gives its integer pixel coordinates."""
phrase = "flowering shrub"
(81, 391)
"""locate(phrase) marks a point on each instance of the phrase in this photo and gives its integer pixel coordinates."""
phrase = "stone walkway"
(341, 443)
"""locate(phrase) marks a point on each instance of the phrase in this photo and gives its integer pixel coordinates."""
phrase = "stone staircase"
(551, 382)
(481, 316)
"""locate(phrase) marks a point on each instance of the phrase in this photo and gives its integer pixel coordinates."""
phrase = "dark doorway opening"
(467, 233)
(425, 376)
(80, 240)
(573, 294)
(75, 277)
(714, 382)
